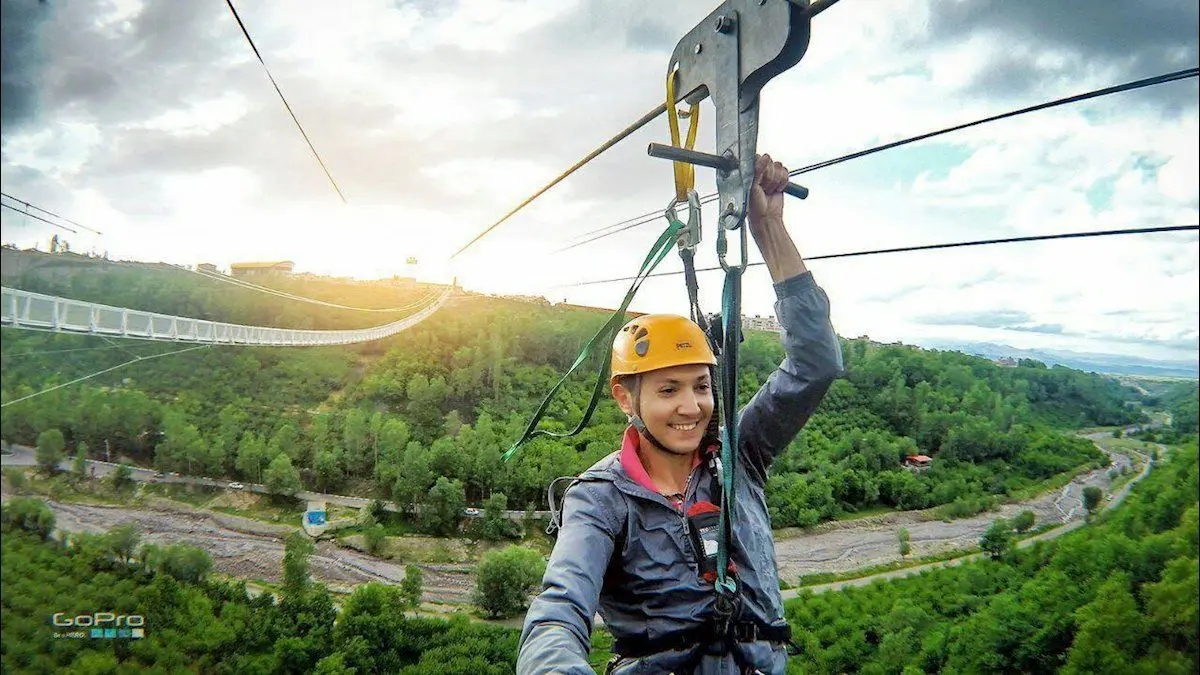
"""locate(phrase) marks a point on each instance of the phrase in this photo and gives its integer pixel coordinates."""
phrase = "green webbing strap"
(731, 323)
(603, 337)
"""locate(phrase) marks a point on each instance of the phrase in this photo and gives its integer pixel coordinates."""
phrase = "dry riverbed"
(250, 549)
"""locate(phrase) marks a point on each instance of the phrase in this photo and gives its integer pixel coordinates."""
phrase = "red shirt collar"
(633, 464)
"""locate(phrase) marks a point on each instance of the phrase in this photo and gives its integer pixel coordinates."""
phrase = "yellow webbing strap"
(685, 174)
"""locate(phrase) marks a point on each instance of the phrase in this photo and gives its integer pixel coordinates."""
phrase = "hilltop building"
(258, 269)
(764, 323)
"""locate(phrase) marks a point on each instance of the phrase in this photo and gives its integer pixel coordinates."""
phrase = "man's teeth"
(683, 427)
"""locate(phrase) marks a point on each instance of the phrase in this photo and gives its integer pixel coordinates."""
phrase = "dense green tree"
(183, 449)
(356, 439)
(327, 466)
(50, 444)
(29, 513)
(411, 586)
(1110, 631)
(442, 511)
(122, 542)
(297, 550)
(902, 538)
(251, 457)
(1024, 521)
(122, 477)
(505, 579)
(281, 478)
(997, 541)
(79, 464)
(373, 536)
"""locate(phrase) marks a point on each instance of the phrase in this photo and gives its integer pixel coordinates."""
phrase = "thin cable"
(49, 222)
(929, 247)
(59, 351)
(120, 346)
(1116, 89)
(423, 301)
(620, 136)
(106, 370)
(50, 213)
(814, 9)
(652, 216)
(285, 102)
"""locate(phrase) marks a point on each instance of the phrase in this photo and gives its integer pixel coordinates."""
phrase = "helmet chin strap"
(636, 421)
(636, 418)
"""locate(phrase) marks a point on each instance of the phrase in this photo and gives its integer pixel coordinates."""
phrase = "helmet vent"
(642, 347)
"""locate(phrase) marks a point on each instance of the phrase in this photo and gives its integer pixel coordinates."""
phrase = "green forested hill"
(447, 397)
(1119, 596)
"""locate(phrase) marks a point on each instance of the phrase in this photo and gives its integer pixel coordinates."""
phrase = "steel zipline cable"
(652, 216)
(37, 217)
(52, 214)
(813, 9)
(275, 84)
(927, 247)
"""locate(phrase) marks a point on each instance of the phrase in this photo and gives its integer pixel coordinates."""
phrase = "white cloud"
(436, 118)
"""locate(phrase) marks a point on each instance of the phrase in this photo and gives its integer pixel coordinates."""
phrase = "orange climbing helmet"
(657, 341)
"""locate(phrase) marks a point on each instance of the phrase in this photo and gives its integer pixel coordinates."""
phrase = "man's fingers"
(775, 178)
(761, 164)
(770, 175)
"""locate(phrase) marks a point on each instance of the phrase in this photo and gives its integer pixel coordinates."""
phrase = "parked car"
(472, 512)
(236, 486)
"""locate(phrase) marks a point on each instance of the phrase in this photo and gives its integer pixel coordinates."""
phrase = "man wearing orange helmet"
(637, 539)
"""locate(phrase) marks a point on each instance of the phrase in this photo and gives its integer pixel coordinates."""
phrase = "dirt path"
(849, 545)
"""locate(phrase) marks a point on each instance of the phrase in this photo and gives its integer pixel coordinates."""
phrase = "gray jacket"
(624, 551)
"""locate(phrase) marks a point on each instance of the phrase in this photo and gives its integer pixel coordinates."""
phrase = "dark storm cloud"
(21, 60)
(110, 71)
(1137, 39)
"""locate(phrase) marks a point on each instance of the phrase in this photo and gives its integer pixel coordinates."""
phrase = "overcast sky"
(154, 123)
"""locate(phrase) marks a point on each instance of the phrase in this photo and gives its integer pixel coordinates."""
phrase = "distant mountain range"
(1112, 364)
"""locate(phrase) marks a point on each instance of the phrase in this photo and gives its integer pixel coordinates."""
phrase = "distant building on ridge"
(764, 323)
(258, 269)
